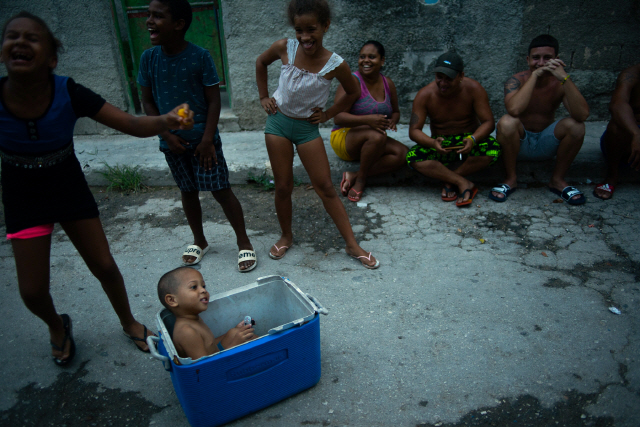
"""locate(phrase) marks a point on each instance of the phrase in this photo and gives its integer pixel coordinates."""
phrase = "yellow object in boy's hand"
(182, 113)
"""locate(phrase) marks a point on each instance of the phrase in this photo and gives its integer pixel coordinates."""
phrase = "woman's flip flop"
(66, 323)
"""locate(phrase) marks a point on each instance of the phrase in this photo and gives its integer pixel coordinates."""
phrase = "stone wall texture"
(597, 40)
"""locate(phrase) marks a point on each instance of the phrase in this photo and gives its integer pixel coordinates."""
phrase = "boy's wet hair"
(319, 8)
(545, 40)
(180, 9)
(56, 45)
(168, 284)
(377, 45)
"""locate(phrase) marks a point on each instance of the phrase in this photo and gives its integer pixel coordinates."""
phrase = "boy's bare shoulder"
(185, 329)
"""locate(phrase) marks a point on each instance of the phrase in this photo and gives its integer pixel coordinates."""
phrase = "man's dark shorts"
(190, 176)
(487, 147)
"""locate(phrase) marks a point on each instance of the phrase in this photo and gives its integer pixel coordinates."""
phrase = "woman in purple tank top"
(361, 133)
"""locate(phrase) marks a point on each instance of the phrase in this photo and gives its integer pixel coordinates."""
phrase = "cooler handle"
(319, 307)
(151, 342)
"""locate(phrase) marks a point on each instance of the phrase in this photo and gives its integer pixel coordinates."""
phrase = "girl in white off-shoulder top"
(296, 109)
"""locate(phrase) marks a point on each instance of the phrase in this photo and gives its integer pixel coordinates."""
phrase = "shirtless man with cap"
(528, 130)
(461, 121)
(621, 141)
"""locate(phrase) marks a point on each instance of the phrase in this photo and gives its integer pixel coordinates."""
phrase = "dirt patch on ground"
(311, 223)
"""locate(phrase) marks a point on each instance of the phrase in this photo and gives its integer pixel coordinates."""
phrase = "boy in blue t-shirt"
(176, 69)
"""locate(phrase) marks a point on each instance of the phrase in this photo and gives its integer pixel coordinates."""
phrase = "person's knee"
(324, 189)
(508, 126)
(31, 295)
(104, 268)
(223, 196)
(377, 138)
(575, 129)
(283, 189)
(424, 166)
(190, 195)
(400, 152)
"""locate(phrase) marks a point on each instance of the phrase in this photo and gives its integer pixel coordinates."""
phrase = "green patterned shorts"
(487, 147)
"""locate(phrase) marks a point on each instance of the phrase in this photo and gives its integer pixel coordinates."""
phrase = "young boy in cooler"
(176, 69)
(183, 292)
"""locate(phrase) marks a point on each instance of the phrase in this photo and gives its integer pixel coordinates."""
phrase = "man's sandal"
(568, 193)
(472, 193)
(503, 189)
(247, 255)
(604, 187)
(66, 324)
(448, 189)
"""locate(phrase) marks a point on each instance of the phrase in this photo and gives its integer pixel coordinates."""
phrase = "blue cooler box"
(283, 361)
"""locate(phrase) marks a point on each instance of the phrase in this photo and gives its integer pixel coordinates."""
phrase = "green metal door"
(205, 31)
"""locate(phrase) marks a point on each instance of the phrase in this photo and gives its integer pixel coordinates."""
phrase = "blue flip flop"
(568, 192)
(502, 189)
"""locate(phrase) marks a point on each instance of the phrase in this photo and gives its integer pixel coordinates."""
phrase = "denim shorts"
(296, 131)
(190, 176)
(539, 146)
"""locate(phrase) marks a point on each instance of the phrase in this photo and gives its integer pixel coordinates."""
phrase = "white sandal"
(194, 251)
(247, 255)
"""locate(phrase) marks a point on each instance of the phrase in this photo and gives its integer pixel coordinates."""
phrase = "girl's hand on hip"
(318, 116)
(269, 105)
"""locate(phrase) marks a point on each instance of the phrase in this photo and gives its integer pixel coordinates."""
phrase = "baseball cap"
(450, 64)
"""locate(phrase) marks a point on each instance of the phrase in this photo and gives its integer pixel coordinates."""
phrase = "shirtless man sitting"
(529, 132)
(621, 141)
(461, 121)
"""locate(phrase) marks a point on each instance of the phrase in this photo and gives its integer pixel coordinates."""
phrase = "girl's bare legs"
(280, 151)
(32, 265)
(89, 239)
(315, 161)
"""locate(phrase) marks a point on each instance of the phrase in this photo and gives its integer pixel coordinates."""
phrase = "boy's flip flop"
(604, 187)
(472, 193)
(502, 189)
(568, 193)
(194, 251)
(247, 255)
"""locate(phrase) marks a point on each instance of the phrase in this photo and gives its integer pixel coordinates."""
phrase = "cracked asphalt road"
(488, 316)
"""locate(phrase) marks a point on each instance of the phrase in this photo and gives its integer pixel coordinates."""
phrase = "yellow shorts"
(339, 143)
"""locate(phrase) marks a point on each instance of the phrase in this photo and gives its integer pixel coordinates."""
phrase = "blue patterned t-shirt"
(177, 79)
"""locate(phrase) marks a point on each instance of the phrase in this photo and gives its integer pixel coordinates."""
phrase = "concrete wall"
(597, 40)
(91, 53)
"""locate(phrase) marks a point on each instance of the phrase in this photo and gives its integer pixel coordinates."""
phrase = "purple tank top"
(366, 104)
